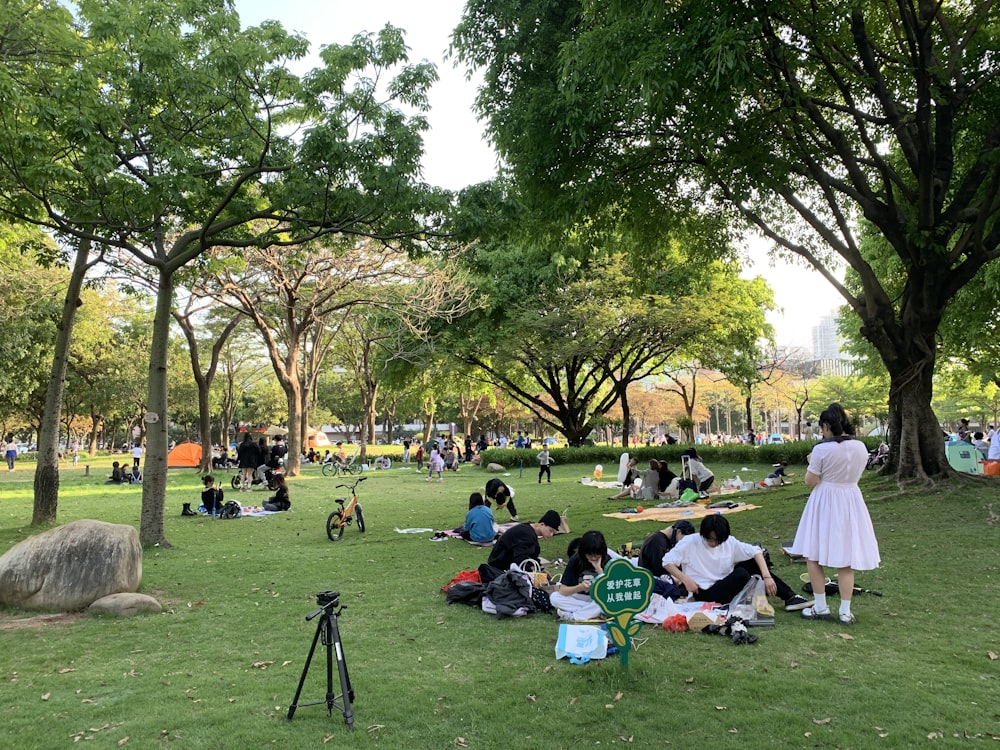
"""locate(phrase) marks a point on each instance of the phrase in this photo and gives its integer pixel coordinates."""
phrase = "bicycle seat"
(341, 501)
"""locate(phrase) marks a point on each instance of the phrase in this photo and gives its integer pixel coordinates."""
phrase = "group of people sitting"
(711, 566)
(120, 476)
(659, 482)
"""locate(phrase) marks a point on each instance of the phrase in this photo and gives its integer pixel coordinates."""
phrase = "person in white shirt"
(714, 566)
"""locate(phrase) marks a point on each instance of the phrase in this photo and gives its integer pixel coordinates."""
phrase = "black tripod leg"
(345, 680)
(305, 670)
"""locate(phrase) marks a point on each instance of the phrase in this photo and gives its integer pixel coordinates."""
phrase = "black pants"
(546, 471)
(723, 591)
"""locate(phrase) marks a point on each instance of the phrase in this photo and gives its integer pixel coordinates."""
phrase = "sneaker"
(848, 619)
(438, 537)
(795, 603)
(810, 613)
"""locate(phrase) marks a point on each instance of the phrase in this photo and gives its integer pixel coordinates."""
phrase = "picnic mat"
(669, 515)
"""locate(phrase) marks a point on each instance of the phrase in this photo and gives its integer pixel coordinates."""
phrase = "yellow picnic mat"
(669, 515)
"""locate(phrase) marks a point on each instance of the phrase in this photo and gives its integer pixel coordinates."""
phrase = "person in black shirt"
(503, 496)
(211, 496)
(520, 542)
(659, 543)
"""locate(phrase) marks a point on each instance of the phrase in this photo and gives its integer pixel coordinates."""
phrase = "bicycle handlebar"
(357, 481)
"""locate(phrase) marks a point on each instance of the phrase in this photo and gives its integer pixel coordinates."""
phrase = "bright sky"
(456, 154)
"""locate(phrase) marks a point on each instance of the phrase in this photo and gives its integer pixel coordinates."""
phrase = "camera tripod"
(327, 629)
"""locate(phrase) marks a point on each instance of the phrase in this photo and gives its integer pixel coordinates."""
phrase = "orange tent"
(184, 456)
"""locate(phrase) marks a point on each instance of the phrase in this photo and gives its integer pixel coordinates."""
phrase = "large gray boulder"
(69, 567)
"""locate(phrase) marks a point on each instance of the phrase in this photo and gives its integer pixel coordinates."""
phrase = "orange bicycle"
(339, 519)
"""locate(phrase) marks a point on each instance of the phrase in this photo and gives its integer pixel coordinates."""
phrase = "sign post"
(622, 592)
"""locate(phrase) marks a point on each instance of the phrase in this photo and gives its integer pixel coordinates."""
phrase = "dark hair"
(685, 527)
(573, 546)
(475, 499)
(717, 523)
(836, 419)
(592, 543)
(208, 479)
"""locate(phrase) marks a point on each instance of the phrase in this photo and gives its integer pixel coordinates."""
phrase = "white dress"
(835, 529)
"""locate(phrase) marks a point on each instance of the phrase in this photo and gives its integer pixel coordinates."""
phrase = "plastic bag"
(581, 643)
(751, 603)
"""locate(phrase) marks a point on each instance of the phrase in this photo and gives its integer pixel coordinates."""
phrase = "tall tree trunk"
(154, 472)
(46, 502)
(916, 441)
(626, 417)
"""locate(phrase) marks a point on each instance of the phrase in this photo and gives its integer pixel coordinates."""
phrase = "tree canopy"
(800, 118)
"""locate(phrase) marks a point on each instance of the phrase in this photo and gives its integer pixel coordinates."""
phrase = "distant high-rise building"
(828, 359)
(826, 341)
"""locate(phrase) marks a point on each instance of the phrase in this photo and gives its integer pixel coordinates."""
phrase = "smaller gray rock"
(125, 605)
(495, 467)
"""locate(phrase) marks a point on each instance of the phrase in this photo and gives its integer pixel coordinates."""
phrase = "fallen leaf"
(375, 728)
(720, 708)
(625, 739)
(846, 636)
(609, 705)
(821, 721)
(327, 738)
(618, 697)
(70, 669)
(420, 660)
(808, 734)
(261, 664)
(572, 701)
(46, 696)
(532, 697)
(460, 742)
(440, 621)
(285, 663)
(122, 741)
(689, 680)
(547, 669)
(734, 730)
(992, 655)
(883, 734)
(795, 665)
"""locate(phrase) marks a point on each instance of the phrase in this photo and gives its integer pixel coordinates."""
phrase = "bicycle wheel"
(236, 481)
(330, 470)
(335, 525)
(349, 469)
(360, 518)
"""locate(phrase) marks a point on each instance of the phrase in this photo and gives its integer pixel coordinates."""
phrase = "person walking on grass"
(544, 462)
(435, 465)
(835, 529)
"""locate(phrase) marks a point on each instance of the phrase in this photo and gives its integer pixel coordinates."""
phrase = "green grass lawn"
(220, 666)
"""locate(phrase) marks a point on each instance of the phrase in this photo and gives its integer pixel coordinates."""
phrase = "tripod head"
(325, 600)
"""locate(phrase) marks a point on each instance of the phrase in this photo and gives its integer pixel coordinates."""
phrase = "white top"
(137, 451)
(706, 564)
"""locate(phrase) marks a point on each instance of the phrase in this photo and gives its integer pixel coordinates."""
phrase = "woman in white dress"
(835, 529)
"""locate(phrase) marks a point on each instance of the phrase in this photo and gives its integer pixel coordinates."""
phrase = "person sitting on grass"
(587, 558)
(117, 474)
(714, 566)
(659, 543)
(631, 474)
(279, 500)
(520, 542)
(211, 496)
(479, 526)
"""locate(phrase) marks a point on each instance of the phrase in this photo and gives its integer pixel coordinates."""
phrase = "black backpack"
(230, 510)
